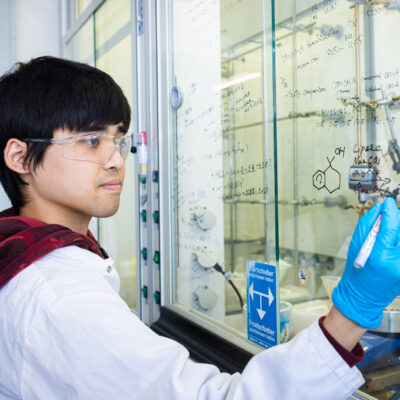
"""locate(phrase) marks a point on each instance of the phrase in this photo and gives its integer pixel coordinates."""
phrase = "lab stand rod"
(238, 241)
(305, 203)
(306, 28)
(309, 114)
(264, 96)
(370, 70)
(235, 208)
(358, 73)
(238, 56)
(305, 114)
(236, 128)
(295, 143)
(232, 164)
(371, 103)
(231, 49)
(372, 2)
(263, 202)
(389, 118)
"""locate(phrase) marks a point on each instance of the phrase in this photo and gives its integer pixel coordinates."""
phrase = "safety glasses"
(93, 147)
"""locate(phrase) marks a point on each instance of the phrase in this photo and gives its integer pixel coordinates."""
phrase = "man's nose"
(115, 159)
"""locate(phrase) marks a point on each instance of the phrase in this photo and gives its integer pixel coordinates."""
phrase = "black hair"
(48, 93)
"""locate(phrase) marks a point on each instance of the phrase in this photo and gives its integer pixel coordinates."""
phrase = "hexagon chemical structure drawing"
(319, 179)
(330, 178)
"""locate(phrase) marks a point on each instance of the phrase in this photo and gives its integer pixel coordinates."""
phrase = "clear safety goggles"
(93, 147)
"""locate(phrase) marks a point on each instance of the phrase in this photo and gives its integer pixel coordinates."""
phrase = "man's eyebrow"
(93, 128)
(104, 128)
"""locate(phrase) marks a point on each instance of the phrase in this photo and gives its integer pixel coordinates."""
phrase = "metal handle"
(176, 98)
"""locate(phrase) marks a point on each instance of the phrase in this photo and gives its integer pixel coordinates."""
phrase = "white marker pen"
(366, 248)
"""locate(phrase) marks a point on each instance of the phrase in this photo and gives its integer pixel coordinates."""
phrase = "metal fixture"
(206, 256)
(205, 297)
(362, 178)
(203, 217)
(389, 4)
(176, 98)
(391, 319)
(393, 148)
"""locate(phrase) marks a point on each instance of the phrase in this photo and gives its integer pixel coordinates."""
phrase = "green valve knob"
(157, 297)
(144, 253)
(156, 217)
(144, 215)
(143, 179)
(156, 258)
(144, 291)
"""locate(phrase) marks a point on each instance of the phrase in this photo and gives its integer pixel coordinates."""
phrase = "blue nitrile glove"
(363, 294)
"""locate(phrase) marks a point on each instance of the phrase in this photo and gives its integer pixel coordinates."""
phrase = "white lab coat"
(65, 333)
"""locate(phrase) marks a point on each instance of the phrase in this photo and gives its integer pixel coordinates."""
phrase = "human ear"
(14, 156)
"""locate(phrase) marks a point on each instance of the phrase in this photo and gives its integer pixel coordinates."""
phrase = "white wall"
(28, 29)
(37, 28)
(6, 36)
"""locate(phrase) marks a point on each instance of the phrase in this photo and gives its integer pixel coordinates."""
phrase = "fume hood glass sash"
(222, 178)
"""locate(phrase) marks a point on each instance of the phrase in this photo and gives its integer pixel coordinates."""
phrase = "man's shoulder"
(66, 271)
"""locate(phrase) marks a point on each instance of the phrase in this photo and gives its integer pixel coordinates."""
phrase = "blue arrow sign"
(261, 304)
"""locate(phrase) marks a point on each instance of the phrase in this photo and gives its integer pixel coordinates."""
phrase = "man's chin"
(105, 213)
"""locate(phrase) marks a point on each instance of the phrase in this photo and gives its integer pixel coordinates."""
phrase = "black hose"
(237, 292)
(218, 268)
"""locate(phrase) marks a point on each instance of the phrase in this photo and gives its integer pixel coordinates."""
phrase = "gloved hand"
(363, 294)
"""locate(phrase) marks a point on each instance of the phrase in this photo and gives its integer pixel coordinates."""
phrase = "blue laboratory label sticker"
(261, 304)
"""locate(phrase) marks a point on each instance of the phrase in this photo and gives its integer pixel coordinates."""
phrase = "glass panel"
(81, 46)
(316, 214)
(222, 185)
(114, 56)
(80, 7)
(113, 21)
(335, 118)
(335, 65)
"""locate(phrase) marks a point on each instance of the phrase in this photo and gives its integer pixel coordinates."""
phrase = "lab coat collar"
(25, 240)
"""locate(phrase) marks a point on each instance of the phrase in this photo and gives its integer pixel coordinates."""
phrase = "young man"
(64, 331)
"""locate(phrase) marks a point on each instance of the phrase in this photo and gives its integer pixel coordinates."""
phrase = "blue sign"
(262, 327)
